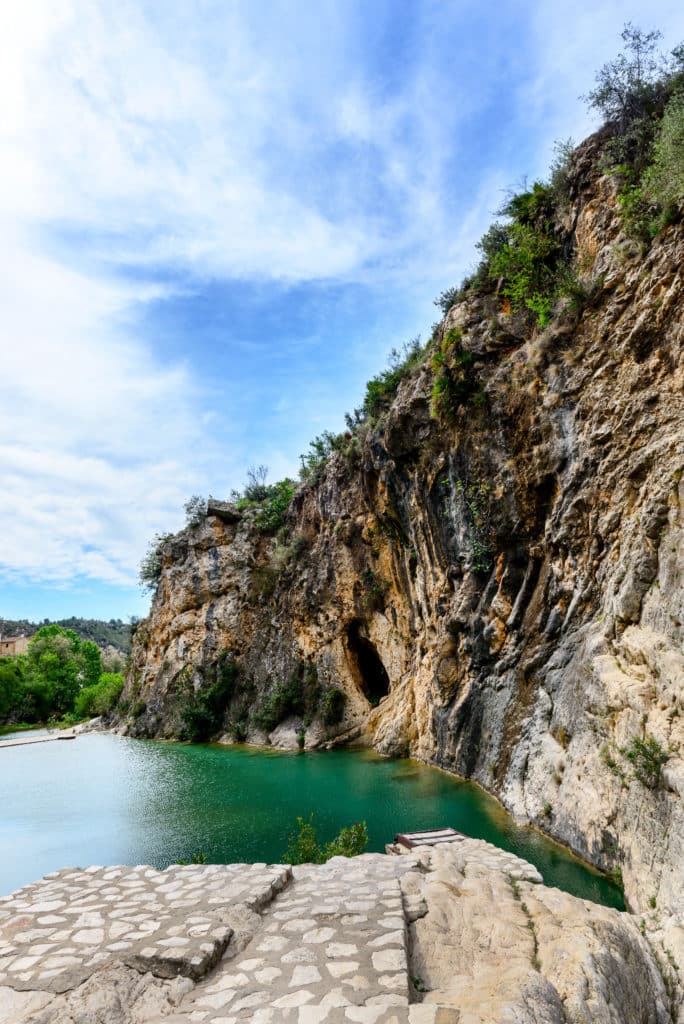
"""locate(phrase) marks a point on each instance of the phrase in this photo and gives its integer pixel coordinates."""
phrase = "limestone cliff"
(499, 592)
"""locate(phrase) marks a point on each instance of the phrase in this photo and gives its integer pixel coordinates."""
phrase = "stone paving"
(315, 944)
(332, 948)
(54, 934)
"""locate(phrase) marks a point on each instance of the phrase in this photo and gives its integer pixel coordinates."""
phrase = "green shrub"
(456, 381)
(271, 501)
(663, 181)
(304, 847)
(638, 215)
(321, 448)
(332, 705)
(101, 698)
(300, 695)
(631, 87)
(531, 207)
(476, 507)
(202, 711)
(380, 390)
(527, 264)
(349, 842)
(197, 858)
(560, 172)
(237, 728)
(448, 298)
(273, 513)
(647, 757)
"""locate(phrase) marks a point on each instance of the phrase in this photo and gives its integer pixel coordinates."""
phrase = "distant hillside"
(114, 633)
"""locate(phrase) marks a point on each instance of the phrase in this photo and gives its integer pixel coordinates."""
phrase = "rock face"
(462, 933)
(501, 594)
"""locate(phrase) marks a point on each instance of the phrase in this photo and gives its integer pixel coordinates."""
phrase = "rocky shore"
(459, 933)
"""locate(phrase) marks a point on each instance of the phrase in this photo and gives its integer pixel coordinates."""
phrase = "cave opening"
(370, 672)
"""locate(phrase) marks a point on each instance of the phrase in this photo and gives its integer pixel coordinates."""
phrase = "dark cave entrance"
(371, 674)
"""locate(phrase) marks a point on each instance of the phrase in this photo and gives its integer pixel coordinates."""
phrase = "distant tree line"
(112, 633)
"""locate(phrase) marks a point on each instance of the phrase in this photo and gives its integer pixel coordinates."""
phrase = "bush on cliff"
(202, 711)
(380, 390)
(300, 695)
(647, 757)
(271, 501)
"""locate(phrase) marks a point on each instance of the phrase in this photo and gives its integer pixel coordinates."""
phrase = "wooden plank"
(430, 837)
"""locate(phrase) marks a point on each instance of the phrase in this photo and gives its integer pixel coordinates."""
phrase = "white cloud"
(98, 442)
(254, 143)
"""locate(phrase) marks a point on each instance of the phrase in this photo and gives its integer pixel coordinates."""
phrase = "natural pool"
(104, 799)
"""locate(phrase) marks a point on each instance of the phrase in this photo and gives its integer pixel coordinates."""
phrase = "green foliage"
(47, 683)
(315, 459)
(448, 298)
(631, 94)
(663, 181)
(493, 241)
(274, 507)
(197, 858)
(55, 664)
(647, 757)
(300, 695)
(12, 685)
(151, 563)
(332, 704)
(100, 698)
(271, 501)
(304, 846)
(532, 206)
(237, 727)
(380, 390)
(202, 711)
(455, 381)
(91, 659)
(256, 488)
(560, 172)
(349, 842)
(527, 265)
(476, 498)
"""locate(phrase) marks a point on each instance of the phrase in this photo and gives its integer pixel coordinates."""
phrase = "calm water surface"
(104, 799)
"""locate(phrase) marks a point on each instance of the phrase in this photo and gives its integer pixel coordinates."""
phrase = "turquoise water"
(104, 799)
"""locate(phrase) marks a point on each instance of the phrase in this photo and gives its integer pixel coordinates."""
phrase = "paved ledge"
(456, 933)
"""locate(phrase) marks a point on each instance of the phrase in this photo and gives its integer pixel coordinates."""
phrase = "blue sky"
(218, 218)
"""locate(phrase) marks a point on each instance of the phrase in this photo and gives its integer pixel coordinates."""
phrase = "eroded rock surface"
(462, 933)
(502, 594)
